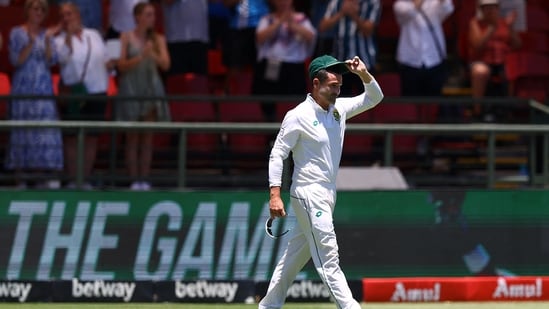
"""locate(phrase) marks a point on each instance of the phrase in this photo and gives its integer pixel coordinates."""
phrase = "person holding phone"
(143, 53)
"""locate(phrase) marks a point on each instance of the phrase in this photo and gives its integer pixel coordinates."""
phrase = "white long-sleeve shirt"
(416, 45)
(315, 137)
(96, 78)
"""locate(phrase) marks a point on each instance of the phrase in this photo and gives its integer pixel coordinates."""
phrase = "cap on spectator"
(487, 2)
(329, 63)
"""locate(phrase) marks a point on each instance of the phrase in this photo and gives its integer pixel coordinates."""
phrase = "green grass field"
(447, 305)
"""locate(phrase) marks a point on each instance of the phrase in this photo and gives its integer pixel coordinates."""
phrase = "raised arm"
(371, 96)
(126, 63)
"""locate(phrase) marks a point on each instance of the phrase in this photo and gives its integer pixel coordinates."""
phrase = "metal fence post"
(545, 159)
(112, 155)
(388, 151)
(80, 158)
(532, 159)
(491, 159)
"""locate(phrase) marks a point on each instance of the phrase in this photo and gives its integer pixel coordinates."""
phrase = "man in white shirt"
(313, 131)
(421, 49)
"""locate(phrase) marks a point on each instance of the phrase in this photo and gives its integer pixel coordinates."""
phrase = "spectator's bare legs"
(146, 151)
(69, 145)
(139, 150)
(71, 153)
(480, 74)
(131, 154)
(90, 153)
(19, 181)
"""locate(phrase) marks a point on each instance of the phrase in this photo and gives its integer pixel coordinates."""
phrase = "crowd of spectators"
(270, 39)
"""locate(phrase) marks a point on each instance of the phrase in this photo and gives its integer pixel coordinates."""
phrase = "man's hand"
(276, 206)
(148, 49)
(358, 67)
(349, 7)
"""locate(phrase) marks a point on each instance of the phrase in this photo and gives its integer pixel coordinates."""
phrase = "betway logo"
(20, 291)
(204, 289)
(308, 289)
(505, 290)
(401, 293)
(100, 288)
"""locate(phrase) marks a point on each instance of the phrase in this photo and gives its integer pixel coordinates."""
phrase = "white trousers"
(314, 236)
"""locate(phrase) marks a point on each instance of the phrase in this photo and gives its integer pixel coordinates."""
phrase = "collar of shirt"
(317, 106)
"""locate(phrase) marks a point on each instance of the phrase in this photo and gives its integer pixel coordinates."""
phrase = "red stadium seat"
(390, 84)
(463, 44)
(526, 64)
(396, 113)
(388, 26)
(113, 87)
(55, 78)
(5, 85)
(11, 16)
(249, 144)
(215, 63)
(241, 83)
(465, 10)
(537, 19)
(357, 145)
(534, 42)
(282, 108)
(190, 84)
(536, 88)
(5, 88)
(199, 143)
(387, 30)
(528, 74)
(399, 113)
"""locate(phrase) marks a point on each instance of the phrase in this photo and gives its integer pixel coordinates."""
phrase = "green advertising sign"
(220, 235)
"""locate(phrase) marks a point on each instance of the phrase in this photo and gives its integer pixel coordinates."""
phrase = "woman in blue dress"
(31, 52)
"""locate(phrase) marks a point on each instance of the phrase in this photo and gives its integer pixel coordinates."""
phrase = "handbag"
(73, 106)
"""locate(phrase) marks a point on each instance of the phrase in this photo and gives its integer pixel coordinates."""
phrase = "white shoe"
(49, 184)
(53, 184)
(85, 186)
(135, 186)
(145, 186)
(21, 186)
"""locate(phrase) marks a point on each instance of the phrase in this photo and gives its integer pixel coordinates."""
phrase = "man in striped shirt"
(354, 22)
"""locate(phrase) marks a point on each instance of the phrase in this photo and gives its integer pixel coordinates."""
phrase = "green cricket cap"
(328, 63)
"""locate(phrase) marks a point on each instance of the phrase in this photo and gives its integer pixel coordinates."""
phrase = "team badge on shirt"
(337, 117)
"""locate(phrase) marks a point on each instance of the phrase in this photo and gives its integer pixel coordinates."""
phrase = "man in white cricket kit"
(313, 131)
